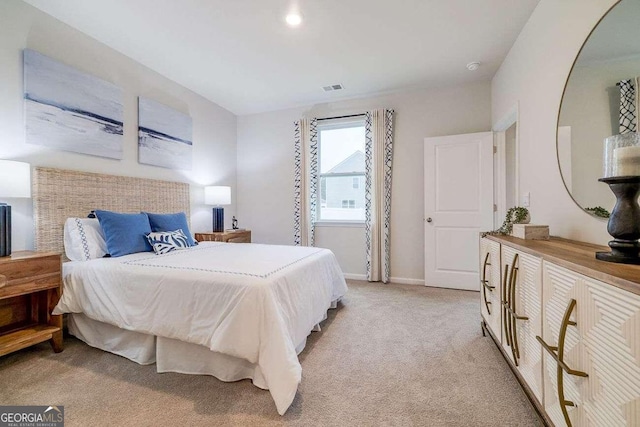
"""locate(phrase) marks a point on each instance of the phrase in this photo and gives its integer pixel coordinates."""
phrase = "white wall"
(265, 170)
(533, 76)
(214, 129)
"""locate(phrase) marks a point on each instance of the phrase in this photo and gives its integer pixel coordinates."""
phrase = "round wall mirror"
(602, 84)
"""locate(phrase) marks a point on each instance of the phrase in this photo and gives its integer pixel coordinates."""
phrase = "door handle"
(429, 219)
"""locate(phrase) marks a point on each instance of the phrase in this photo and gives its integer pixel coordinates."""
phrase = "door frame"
(500, 174)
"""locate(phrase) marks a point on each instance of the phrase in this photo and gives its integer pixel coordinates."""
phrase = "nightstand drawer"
(22, 268)
(240, 239)
(27, 285)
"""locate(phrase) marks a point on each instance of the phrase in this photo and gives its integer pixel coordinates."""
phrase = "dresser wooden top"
(579, 257)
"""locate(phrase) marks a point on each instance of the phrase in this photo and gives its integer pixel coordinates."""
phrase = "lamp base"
(5, 230)
(218, 219)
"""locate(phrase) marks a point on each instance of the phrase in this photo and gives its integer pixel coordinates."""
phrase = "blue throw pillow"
(125, 233)
(167, 241)
(171, 222)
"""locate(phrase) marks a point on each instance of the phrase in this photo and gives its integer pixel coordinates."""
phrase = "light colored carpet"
(390, 355)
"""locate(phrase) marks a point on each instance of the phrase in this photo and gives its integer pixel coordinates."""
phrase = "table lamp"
(218, 196)
(15, 181)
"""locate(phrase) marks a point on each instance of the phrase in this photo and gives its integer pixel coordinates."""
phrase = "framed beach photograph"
(69, 110)
(164, 136)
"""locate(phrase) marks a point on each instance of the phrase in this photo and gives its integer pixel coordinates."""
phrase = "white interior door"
(458, 206)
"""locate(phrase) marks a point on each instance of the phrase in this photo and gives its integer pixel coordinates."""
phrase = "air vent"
(331, 88)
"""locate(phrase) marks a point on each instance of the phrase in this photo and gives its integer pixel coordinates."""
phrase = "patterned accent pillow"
(170, 222)
(166, 241)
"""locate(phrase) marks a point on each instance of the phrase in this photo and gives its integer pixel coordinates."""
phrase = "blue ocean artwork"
(67, 109)
(164, 136)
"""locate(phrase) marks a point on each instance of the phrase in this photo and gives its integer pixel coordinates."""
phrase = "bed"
(230, 310)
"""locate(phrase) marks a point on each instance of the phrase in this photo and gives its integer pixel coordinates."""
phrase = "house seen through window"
(342, 171)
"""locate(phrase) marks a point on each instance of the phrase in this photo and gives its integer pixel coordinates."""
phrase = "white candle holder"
(622, 155)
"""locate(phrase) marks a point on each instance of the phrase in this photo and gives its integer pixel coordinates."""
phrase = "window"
(348, 204)
(341, 165)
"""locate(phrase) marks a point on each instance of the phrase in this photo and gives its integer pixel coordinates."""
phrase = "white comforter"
(255, 302)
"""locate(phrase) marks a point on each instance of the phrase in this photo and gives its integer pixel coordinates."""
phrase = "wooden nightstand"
(30, 287)
(230, 236)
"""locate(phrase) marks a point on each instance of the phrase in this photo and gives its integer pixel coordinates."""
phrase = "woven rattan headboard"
(59, 194)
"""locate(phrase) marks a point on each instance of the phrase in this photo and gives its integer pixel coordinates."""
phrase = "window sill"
(351, 224)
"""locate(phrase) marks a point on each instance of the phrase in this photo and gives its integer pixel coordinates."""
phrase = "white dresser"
(568, 325)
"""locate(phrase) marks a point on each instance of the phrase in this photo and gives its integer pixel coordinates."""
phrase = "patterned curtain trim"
(378, 211)
(313, 179)
(297, 186)
(368, 190)
(637, 101)
(388, 160)
(628, 121)
(305, 181)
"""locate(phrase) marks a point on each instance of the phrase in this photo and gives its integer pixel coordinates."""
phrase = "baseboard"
(407, 281)
(398, 280)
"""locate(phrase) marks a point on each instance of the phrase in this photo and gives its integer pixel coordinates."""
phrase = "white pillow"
(83, 239)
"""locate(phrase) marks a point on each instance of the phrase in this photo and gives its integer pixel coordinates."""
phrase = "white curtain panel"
(305, 181)
(378, 162)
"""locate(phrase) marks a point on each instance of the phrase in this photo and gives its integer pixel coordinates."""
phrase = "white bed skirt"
(136, 346)
(170, 355)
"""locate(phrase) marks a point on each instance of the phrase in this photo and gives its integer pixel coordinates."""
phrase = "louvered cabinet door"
(602, 341)
(490, 285)
(522, 315)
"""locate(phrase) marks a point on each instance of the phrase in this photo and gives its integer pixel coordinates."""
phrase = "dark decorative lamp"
(15, 182)
(218, 196)
(622, 174)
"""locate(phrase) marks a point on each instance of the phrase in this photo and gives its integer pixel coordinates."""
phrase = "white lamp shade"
(15, 179)
(217, 195)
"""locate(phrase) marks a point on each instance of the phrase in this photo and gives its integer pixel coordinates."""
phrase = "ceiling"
(241, 54)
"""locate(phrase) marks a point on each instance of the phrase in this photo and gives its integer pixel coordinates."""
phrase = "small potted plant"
(515, 215)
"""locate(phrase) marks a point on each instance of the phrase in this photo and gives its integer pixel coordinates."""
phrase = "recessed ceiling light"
(472, 66)
(294, 19)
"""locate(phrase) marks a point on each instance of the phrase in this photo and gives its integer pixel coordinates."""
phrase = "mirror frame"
(564, 91)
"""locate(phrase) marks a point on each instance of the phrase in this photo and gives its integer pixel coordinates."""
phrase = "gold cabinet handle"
(511, 324)
(511, 292)
(557, 353)
(512, 308)
(510, 314)
(507, 333)
(3, 280)
(485, 283)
